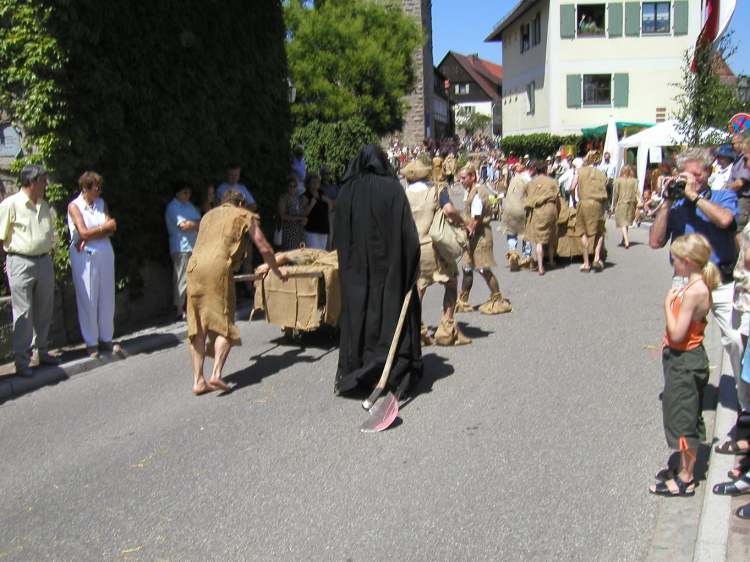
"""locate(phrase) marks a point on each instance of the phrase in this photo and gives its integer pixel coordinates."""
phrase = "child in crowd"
(684, 360)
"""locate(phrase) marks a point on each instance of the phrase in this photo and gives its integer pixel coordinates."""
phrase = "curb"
(133, 344)
(15, 386)
(689, 531)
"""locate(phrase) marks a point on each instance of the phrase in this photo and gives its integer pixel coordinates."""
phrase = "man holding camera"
(690, 206)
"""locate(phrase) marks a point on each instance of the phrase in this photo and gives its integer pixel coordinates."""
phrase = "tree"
(351, 59)
(471, 121)
(704, 102)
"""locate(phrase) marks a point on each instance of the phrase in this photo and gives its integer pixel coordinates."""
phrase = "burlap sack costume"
(480, 253)
(513, 219)
(626, 201)
(592, 196)
(542, 204)
(424, 204)
(302, 303)
(219, 250)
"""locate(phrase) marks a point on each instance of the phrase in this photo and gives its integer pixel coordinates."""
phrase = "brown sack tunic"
(592, 194)
(218, 251)
(480, 253)
(514, 207)
(432, 268)
(626, 201)
(542, 202)
(438, 177)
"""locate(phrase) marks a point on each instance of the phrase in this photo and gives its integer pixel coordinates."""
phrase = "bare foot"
(218, 384)
(201, 388)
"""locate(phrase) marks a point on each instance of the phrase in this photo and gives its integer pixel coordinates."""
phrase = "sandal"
(684, 489)
(597, 266)
(585, 269)
(730, 448)
(743, 512)
(737, 488)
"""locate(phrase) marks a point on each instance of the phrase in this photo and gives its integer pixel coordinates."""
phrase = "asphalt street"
(536, 442)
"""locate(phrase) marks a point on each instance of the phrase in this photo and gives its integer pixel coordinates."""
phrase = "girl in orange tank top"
(685, 362)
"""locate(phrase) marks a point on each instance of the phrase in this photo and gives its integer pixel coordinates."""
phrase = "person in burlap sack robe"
(625, 200)
(425, 201)
(542, 208)
(513, 220)
(479, 255)
(218, 251)
(590, 186)
(449, 168)
(437, 176)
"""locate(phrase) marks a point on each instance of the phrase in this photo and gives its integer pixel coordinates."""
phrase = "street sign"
(739, 123)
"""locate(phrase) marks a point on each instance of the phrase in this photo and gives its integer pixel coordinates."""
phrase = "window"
(460, 89)
(597, 89)
(537, 31)
(530, 105)
(525, 39)
(655, 17)
(591, 20)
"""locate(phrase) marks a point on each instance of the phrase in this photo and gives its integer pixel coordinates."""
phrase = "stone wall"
(419, 121)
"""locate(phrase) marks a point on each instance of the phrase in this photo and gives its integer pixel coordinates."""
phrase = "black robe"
(378, 251)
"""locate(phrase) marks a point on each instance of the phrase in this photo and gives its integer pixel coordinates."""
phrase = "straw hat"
(593, 157)
(416, 170)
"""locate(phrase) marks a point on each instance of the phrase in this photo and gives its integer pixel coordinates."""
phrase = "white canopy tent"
(651, 141)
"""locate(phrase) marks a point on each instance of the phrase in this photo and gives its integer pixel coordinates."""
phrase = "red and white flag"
(716, 16)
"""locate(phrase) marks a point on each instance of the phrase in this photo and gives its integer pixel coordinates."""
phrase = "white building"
(569, 65)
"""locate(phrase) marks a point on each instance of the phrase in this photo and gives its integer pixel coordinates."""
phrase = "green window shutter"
(681, 17)
(622, 85)
(567, 21)
(632, 19)
(615, 20)
(575, 82)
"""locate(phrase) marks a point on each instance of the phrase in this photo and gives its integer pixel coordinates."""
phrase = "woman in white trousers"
(93, 263)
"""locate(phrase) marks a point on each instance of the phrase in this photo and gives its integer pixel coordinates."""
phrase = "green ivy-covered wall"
(146, 93)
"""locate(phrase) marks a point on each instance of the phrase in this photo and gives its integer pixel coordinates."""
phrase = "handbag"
(448, 239)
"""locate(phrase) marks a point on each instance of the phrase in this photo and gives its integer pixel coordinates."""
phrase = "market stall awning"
(601, 131)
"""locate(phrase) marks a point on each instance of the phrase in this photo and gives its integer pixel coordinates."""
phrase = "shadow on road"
(435, 368)
(472, 332)
(267, 365)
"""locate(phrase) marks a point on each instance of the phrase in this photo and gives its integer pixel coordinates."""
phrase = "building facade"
(475, 85)
(569, 65)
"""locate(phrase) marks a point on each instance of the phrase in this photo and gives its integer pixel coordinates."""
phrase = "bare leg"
(467, 282)
(449, 298)
(491, 281)
(585, 247)
(540, 258)
(598, 243)
(625, 239)
(551, 252)
(221, 352)
(198, 355)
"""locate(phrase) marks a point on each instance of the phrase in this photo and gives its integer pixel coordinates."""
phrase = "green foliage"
(351, 59)
(537, 145)
(704, 102)
(145, 93)
(471, 121)
(333, 145)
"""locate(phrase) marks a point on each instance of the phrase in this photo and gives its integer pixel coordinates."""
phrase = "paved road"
(536, 442)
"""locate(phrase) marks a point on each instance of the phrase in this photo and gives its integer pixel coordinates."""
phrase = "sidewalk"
(75, 361)
(704, 528)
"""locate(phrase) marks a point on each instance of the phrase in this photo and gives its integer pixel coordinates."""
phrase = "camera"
(674, 189)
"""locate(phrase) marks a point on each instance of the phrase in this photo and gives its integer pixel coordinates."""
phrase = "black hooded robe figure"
(378, 251)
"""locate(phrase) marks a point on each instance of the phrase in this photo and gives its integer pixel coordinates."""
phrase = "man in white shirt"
(722, 168)
(233, 182)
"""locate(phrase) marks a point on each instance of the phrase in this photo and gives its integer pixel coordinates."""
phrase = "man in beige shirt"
(26, 229)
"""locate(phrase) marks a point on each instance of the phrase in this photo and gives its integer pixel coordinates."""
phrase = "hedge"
(144, 93)
(333, 145)
(538, 145)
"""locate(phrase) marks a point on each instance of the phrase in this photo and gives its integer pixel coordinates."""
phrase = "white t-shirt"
(477, 206)
(720, 177)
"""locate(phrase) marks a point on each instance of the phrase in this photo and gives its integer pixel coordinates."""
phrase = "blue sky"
(462, 26)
